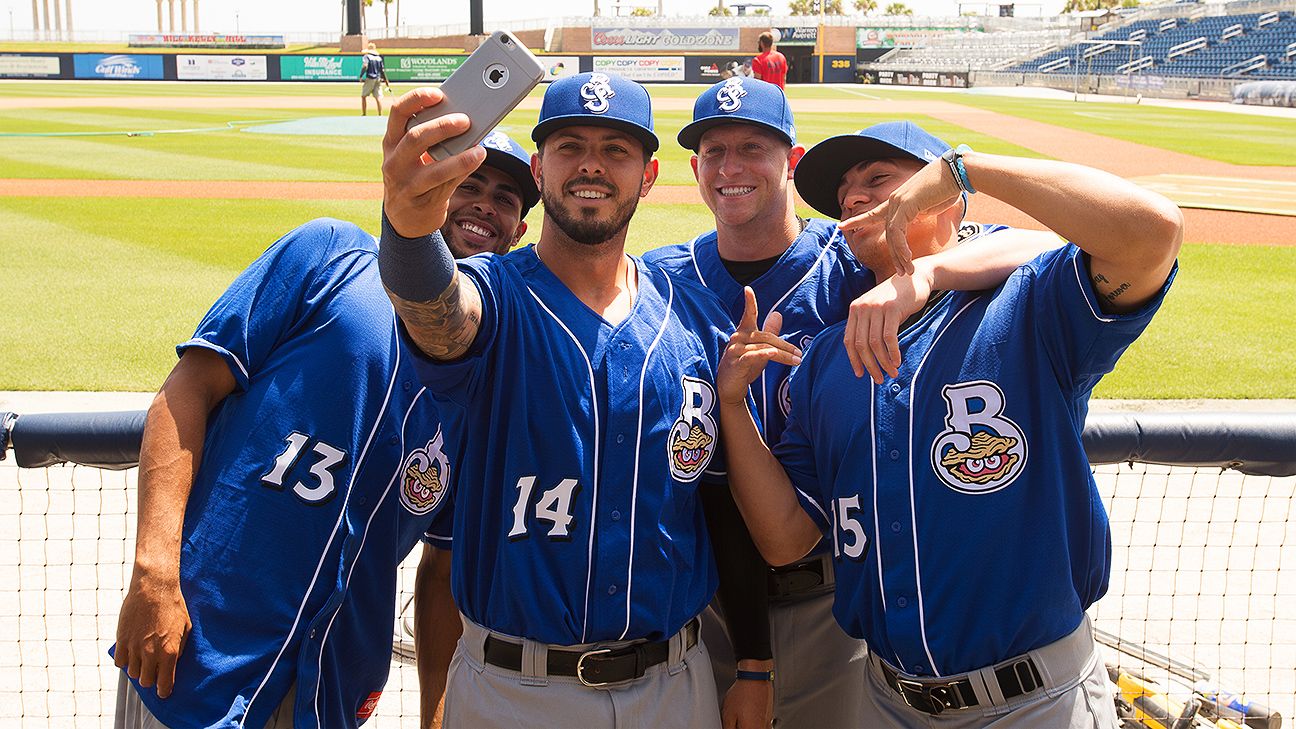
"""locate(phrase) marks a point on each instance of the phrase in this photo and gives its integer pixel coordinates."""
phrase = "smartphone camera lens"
(507, 40)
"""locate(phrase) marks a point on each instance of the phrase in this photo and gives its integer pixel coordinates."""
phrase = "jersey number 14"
(553, 506)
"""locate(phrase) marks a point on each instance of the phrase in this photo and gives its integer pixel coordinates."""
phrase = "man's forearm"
(436, 629)
(743, 593)
(170, 452)
(781, 529)
(1130, 233)
(440, 309)
(984, 262)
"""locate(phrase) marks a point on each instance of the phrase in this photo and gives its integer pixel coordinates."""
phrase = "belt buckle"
(925, 703)
(580, 668)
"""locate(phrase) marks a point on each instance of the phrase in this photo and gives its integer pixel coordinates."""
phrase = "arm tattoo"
(1115, 293)
(445, 327)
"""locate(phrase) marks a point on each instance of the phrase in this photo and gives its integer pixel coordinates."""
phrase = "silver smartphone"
(489, 84)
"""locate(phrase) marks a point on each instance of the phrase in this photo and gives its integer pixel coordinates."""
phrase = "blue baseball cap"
(820, 171)
(741, 100)
(509, 157)
(597, 99)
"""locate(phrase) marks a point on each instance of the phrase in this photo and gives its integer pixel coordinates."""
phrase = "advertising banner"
(799, 36)
(642, 68)
(29, 66)
(558, 66)
(220, 68)
(117, 66)
(421, 68)
(319, 68)
(709, 69)
(943, 79)
(193, 40)
(902, 37)
(664, 39)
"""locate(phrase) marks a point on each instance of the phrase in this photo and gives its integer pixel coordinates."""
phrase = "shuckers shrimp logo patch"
(980, 450)
(424, 477)
(692, 439)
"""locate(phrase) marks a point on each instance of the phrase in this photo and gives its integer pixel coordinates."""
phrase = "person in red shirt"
(769, 65)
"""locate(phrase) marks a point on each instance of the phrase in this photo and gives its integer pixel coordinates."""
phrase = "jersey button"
(902, 601)
(312, 633)
(406, 385)
(918, 668)
(611, 589)
(395, 439)
(895, 454)
(616, 515)
(625, 345)
(895, 527)
(895, 387)
(620, 437)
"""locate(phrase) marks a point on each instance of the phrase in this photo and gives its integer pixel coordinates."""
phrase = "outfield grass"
(97, 296)
(96, 291)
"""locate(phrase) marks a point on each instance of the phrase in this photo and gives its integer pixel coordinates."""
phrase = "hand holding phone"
(489, 84)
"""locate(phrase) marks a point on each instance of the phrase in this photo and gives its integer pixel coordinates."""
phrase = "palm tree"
(898, 9)
(865, 6)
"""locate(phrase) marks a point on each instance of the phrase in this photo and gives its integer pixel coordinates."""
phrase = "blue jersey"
(812, 285)
(319, 473)
(963, 516)
(585, 443)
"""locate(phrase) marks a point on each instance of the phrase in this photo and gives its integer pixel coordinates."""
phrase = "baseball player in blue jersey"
(290, 462)
(583, 381)
(967, 534)
(745, 147)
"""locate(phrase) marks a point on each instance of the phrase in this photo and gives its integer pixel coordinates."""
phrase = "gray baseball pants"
(1076, 694)
(676, 693)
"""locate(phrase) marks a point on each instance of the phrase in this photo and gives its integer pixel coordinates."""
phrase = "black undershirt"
(744, 272)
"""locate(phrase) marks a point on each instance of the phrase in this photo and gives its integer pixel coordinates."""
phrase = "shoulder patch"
(424, 477)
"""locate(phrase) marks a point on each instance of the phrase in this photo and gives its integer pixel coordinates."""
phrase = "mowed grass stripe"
(217, 156)
(98, 293)
(1243, 139)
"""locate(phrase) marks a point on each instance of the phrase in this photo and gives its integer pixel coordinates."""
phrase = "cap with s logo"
(744, 101)
(597, 99)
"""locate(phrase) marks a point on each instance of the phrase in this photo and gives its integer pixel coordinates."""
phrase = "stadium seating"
(1253, 45)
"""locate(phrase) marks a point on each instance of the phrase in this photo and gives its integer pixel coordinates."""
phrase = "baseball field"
(128, 207)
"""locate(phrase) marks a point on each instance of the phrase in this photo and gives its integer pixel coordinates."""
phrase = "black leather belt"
(934, 696)
(799, 578)
(594, 667)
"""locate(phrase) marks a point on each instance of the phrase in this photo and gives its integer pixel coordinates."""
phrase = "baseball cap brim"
(691, 136)
(819, 173)
(519, 171)
(551, 125)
